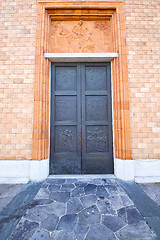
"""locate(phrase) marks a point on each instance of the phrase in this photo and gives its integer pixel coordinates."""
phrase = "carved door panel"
(81, 119)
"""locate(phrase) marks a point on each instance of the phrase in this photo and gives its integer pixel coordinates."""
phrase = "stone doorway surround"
(82, 10)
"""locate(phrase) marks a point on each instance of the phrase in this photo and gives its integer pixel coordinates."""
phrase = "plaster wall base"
(23, 171)
(138, 170)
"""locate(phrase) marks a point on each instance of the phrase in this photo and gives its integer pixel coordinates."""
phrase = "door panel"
(63, 109)
(97, 139)
(96, 108)
(95, 78)
(65, 139)
(66, 77)
(81, 119)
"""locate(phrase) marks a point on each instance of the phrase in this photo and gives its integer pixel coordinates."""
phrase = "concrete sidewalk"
(77, 209)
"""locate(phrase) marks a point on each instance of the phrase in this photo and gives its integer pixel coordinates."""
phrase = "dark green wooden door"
(81, 119)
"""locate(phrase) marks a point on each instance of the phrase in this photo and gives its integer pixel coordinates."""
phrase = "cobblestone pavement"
(7, 193)
(152, 190)
(77, 209)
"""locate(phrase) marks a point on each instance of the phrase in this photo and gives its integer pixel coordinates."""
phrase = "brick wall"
(143, 45)
(17, 53)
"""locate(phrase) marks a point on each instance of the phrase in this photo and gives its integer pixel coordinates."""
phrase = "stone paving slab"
(82, 209)
(154, 223)
(13, 212)
(142, 201)
(8, 192)
(152, 190)
(147, 207)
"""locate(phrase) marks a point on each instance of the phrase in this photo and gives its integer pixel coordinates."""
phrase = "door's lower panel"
(61, 165)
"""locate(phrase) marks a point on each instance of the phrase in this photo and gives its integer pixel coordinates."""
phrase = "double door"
(81, 119)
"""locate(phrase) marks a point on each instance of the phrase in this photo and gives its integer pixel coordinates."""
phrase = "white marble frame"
(80, 57)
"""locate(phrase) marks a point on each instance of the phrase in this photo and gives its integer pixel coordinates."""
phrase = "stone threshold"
(80, 176)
